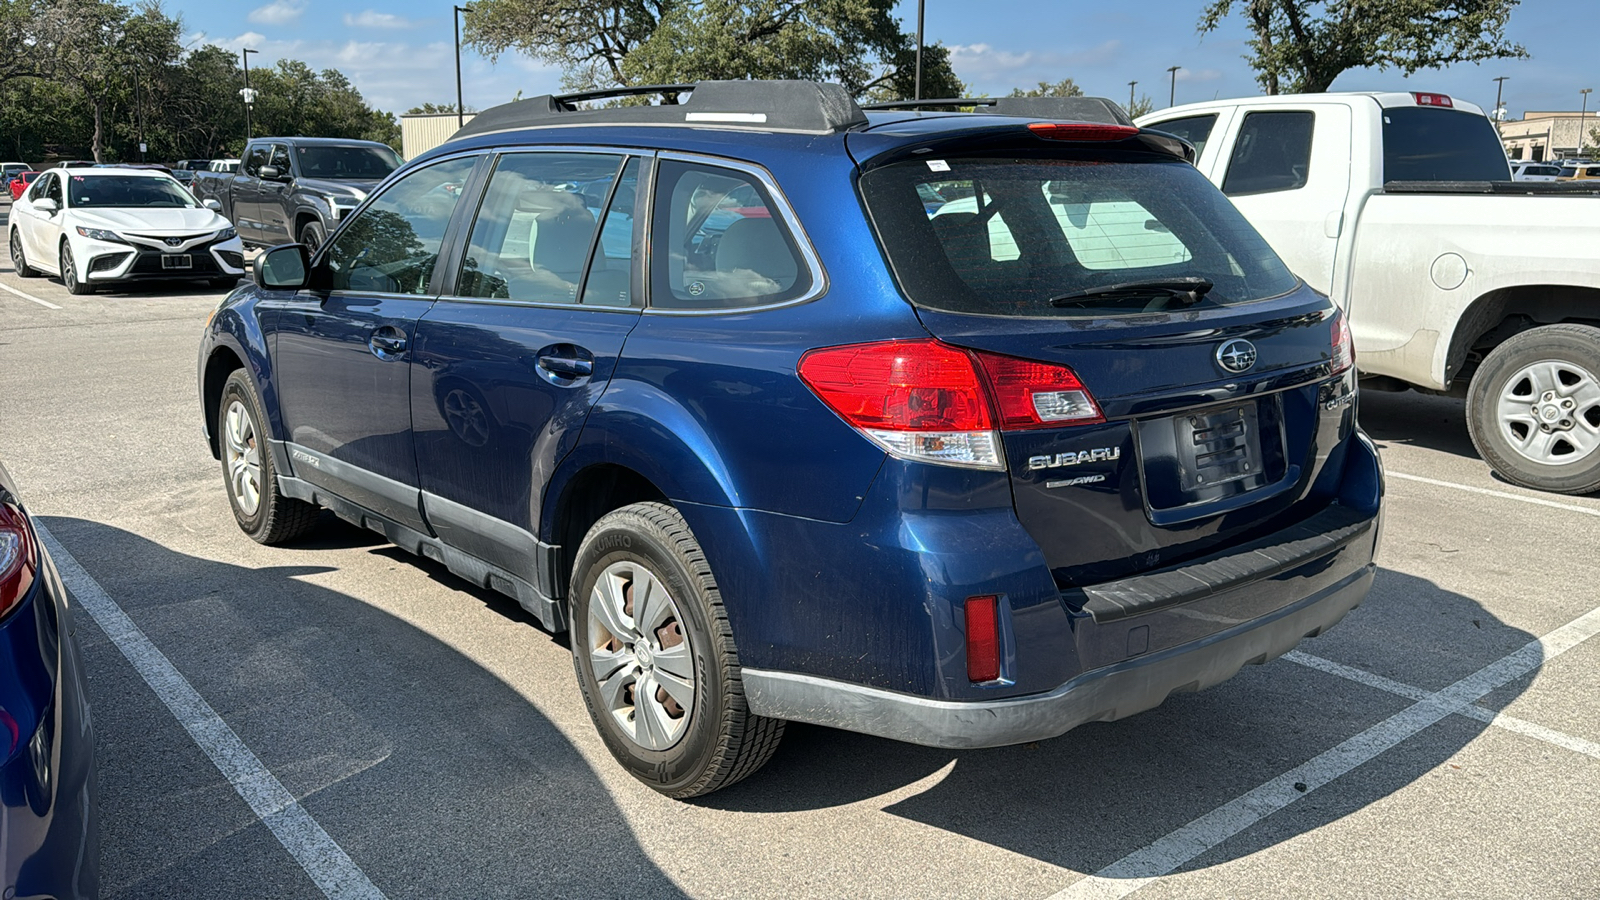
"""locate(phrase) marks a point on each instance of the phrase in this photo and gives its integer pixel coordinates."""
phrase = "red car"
(21, 182)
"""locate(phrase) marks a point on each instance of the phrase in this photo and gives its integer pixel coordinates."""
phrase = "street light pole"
(247, 94)
(138, 105)
(1172, 96)
(1499, 87)
(1583, 117)
(1130, 95)
(456, 20)
(918, 92)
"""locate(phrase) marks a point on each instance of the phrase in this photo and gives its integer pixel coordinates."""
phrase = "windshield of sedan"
(127, 191)
(366, 163)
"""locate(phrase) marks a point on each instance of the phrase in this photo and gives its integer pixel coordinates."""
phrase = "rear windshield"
(1429, 144)
(321, 161)
(1005, 236)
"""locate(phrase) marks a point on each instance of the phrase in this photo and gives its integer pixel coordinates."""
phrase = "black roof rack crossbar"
(607, 93)
(1075, 109)
(806, 107)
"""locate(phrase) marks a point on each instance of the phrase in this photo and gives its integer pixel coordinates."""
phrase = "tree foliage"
(616, 43)
(89, 78)
(1063, 88)
(1301, 46)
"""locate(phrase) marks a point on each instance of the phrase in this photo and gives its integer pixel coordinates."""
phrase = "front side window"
(256, 158)
(280, 158)
(1194, 129)
(391, 246)
(536, 226)
(1272, 153)
(718, 242)
(41, 187)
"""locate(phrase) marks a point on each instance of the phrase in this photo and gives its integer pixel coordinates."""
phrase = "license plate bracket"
(177, 261)
(1218, 446)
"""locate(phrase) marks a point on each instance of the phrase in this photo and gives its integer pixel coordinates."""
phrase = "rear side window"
(538, 220)
(1005, 235)
(1430, 144)
(1272, 153)
(1194, 129)
(719, 244)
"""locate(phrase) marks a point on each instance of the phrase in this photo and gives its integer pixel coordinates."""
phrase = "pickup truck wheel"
(1533, 409)
(69, 273)
(19, 259)
(655, 656)
(312, 235)
(261, 510)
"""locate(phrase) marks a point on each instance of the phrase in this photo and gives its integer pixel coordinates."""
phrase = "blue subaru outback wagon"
(959, 428)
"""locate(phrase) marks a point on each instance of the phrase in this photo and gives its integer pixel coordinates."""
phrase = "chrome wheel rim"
(242, 457)
(17, 260)
(640, 656)
(1549, 411)
(69, 272)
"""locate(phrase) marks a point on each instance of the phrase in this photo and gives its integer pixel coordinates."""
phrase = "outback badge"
(1237, 355)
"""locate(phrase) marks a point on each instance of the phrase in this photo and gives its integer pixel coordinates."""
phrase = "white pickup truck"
(1401, 207)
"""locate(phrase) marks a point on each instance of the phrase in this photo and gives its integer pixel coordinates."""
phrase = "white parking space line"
(44, 303)
(1504, 495)
(1145, 865)
(1499, 720)
(330, 868)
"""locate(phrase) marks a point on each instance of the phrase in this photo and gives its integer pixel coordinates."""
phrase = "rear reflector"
(983, 639)
(16, 557)
(1439, 100)
(1082, 131)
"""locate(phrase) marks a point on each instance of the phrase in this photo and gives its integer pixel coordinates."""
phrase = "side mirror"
(47, 206)
(269, 173)
(213, 204)
(283, 268)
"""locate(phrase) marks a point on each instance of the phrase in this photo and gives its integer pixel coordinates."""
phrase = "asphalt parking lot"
(377, 727)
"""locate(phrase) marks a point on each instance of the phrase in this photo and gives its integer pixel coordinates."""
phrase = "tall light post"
(248, 93)
(1583, 117)
(1130, 95)
(1499, 87)
(456, 20)
(917, 94)
(1172, 95)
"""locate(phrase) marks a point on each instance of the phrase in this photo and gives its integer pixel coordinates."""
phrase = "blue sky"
(401, 53)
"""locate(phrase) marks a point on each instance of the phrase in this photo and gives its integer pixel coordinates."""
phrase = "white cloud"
(1199, 75)
(371, 18)
(986, 68)
(278, 12)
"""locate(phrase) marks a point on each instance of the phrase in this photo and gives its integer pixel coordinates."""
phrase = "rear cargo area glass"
(1004, 236)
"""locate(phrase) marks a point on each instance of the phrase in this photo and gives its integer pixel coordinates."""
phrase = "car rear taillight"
(1082, 131)
(983, 638)
(17, 557)
(1037, 395)
(928, 401)
(1439, 100)
(1344, 346)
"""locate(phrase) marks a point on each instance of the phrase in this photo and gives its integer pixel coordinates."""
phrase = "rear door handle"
(567, 366)
(387, 342)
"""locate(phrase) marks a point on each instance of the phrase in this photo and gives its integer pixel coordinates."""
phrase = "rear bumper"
(1104, 694)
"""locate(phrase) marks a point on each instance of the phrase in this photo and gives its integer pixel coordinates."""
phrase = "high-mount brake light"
(1037, 395)
(1082, 131)
(928, 401)
(17, 554)
(1344, 345)
(983, 639)
(1440, 100)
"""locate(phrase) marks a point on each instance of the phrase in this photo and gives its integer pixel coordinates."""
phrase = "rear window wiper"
(1187, 291)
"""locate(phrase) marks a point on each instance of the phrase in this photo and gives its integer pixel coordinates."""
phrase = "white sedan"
(105, 225)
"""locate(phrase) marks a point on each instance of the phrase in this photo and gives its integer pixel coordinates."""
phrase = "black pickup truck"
(296, 188)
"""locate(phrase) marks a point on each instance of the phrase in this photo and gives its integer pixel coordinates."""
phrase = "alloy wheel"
(1549, 411)
(243, 457)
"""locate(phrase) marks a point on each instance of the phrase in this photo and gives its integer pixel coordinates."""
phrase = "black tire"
(312, 235)
(720, 742)
(1569, 461)
(69, 273)
(19, 257)
(276, 519)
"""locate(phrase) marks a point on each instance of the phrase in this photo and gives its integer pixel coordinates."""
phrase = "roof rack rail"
(807, 107)
(1076, 109)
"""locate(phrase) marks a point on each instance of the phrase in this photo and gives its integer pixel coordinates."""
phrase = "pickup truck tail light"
(928, 401)
(1082, 131)
(1344, 346)
(17, 557)
(1440, 100)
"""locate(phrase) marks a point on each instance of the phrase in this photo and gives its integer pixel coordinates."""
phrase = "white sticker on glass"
(938, 165)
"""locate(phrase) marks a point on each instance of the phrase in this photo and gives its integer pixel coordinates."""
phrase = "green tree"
(1063, 88)
(1141, 107)
(1303, 45)
(610, 43)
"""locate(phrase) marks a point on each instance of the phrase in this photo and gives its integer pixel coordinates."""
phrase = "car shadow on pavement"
(1086, 799)
(437, 777)
(1421, 420)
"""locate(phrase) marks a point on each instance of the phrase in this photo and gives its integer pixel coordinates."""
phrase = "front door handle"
(567, 366)
(387, 342)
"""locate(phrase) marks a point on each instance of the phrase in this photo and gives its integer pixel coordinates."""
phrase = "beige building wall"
(421, 133)
(1549, 135)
